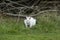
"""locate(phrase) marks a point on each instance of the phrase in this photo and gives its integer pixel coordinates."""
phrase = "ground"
(52, 36)
(47, 28)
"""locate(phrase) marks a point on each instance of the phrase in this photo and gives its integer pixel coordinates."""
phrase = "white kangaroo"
(29, 21)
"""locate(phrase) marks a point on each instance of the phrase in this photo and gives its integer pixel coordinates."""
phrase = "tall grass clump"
(46, 23)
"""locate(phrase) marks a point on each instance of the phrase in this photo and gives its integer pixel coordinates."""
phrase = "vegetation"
(47, 28)
(13, 28)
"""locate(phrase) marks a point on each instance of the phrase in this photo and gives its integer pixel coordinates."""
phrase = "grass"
(31, 37)
(47, 28)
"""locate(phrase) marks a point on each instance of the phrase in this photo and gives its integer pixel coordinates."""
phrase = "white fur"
(30, 21)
